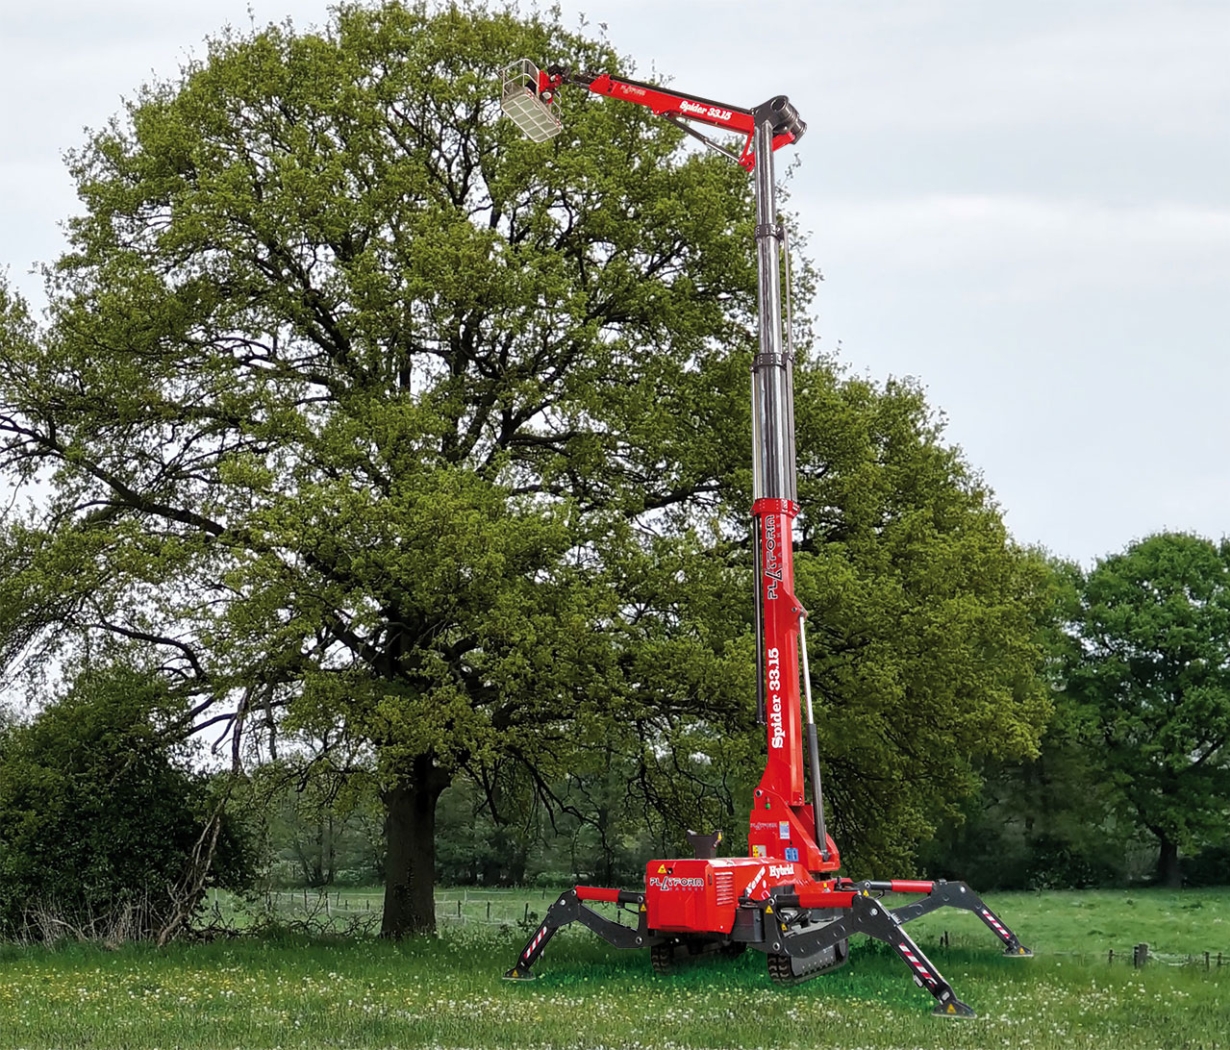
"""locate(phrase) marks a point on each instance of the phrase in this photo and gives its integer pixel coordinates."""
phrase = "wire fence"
(1142, 955)
(356, 908)
(1138, 955)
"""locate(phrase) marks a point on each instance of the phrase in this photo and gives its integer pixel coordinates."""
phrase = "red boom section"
(783, 774)
(667, 104)
(782, 824)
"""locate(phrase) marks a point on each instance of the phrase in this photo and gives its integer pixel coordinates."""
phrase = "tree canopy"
(927, 625)
(366, 417)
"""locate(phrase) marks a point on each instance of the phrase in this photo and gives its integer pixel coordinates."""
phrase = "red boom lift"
(785, 899)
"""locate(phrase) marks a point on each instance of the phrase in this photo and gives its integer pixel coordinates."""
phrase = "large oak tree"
(356, 411)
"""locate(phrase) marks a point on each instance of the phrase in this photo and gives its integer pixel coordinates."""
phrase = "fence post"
(489, 911)
(1140, 955)
(1110, 956)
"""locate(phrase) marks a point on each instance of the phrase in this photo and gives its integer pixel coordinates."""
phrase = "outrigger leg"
(942, 894)
(571, 908)
(867, 916)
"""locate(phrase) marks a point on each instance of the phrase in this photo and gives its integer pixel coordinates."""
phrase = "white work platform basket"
(521, 102)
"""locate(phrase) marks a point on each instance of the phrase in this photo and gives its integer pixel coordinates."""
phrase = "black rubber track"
(785, 970)
(662, 959)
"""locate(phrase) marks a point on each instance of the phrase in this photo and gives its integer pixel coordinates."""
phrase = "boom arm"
(543, 86)
(782, 825)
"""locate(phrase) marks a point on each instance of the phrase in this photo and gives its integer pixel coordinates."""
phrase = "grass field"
(287, 992)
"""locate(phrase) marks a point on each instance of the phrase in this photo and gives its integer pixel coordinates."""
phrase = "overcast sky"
(1025, 206)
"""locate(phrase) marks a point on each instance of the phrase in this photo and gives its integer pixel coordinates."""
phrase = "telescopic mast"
(530, 99)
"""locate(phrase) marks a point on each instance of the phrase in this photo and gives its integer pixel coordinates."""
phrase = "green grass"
(287, 992)
(1093, 922)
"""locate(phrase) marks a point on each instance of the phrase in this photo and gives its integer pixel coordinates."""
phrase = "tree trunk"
(1168, 873)
(410, 860)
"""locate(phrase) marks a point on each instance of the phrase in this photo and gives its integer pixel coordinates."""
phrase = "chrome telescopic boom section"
(773, 469)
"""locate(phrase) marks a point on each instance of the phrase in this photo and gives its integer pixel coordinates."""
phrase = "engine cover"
(702, 896)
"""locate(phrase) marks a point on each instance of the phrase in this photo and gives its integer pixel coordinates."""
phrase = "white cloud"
(1158, 67)
(1018, 247)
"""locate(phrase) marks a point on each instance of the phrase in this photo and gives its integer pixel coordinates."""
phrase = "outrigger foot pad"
(953, 1008)
(518, 974)
(1019, 952)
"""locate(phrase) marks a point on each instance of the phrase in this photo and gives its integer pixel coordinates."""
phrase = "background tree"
(1152, 669)
(102, 820)
(366, 417)
(1048, 820)
(928, 623)
(317, 820)
(1047, 823)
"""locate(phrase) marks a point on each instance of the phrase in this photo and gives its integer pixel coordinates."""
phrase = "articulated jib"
(725, 905)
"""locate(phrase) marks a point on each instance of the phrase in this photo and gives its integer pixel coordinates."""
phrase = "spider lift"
(786, 898)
